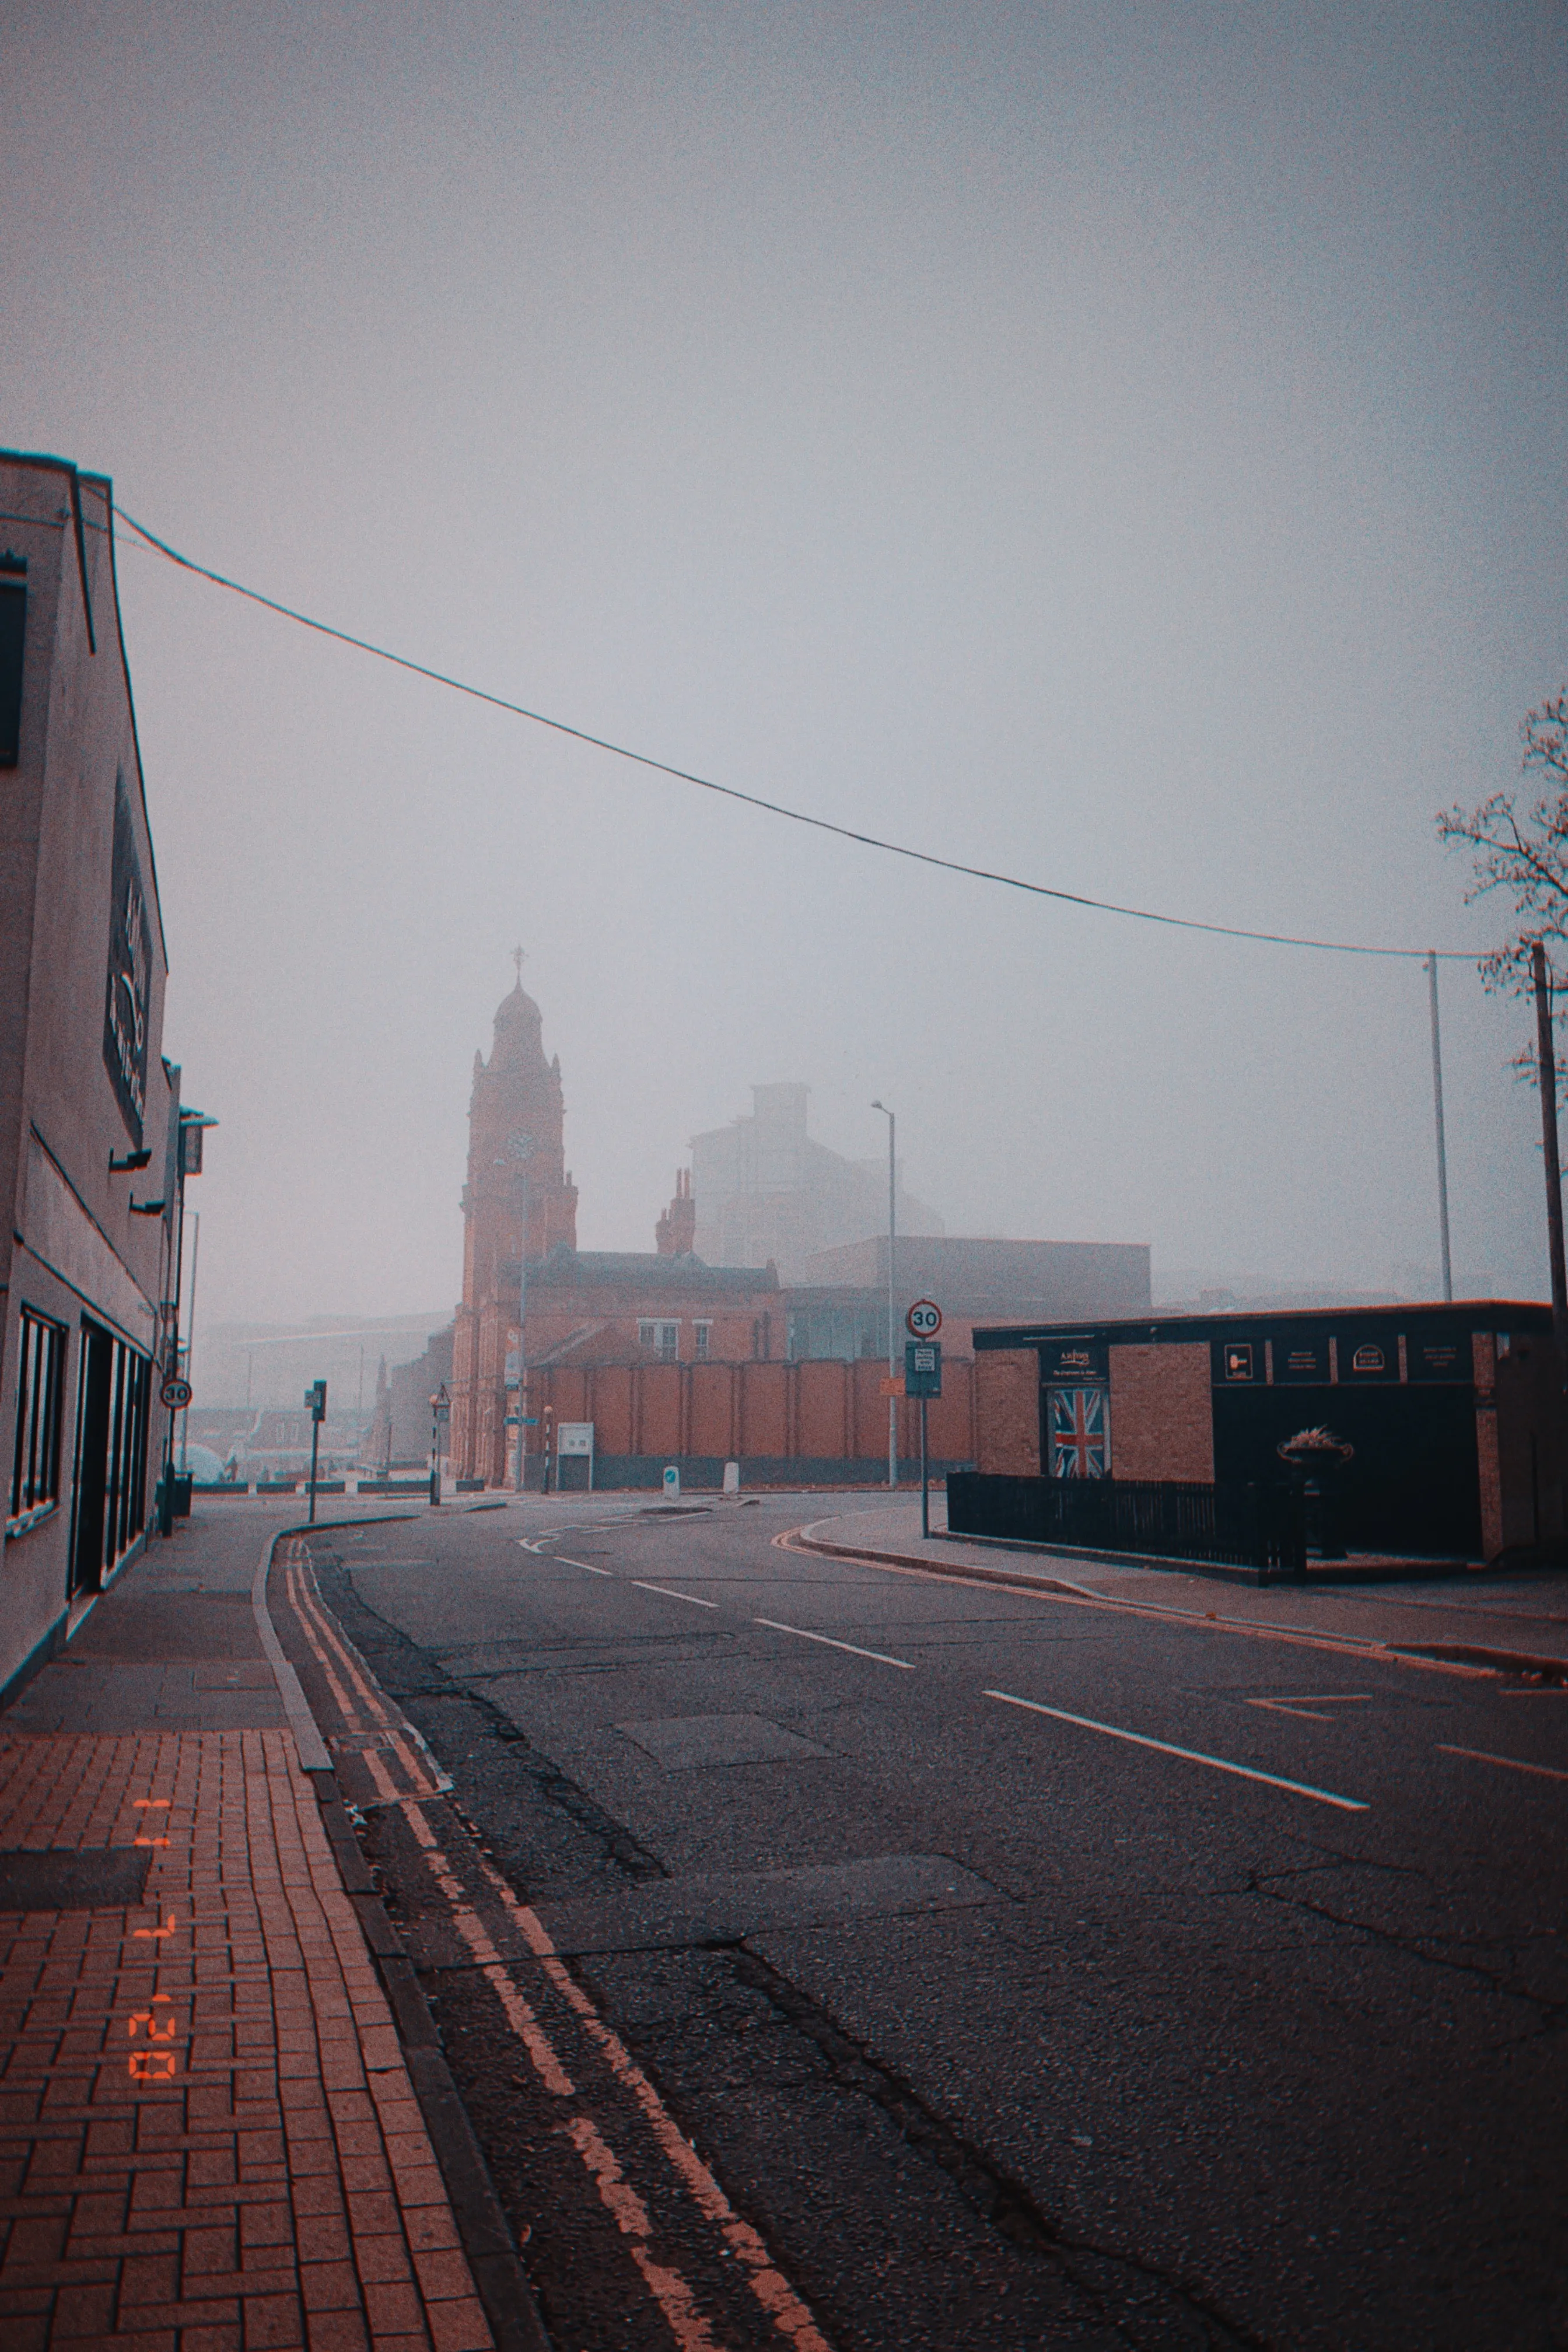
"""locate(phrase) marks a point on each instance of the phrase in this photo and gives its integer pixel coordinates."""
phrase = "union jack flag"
(1080, 1446)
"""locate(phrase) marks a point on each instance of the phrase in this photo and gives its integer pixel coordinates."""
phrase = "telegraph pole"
(1438, 1108)
(1546, 1071)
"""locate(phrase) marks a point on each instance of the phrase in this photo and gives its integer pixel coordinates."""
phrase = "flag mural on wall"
(1079, 1433)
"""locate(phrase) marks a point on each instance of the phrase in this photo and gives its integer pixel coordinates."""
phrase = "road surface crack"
(1551, 2010)
(397, 1663)
(1097, 2271)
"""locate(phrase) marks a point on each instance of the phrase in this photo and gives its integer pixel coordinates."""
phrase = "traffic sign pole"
(316, 1405)
(923, 1379)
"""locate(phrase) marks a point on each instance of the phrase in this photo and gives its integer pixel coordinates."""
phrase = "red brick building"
(583, 1307)
(673, 1358)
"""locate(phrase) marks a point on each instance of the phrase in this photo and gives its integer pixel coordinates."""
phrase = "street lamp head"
(883, 1109)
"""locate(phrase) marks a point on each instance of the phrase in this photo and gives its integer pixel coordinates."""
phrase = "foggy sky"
(1124, 445)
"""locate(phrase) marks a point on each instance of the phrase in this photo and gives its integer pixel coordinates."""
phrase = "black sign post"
(923, 1379)
(316, 1406)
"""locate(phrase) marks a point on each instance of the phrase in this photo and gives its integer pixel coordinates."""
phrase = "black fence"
(1239, 1526)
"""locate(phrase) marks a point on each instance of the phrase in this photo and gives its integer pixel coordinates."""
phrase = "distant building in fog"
(672, 1356)
(591, 1306)
(766, 1191)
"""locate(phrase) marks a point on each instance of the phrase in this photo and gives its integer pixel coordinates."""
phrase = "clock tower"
(519, 1203)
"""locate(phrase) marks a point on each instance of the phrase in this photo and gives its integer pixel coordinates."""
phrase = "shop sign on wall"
(128, 996)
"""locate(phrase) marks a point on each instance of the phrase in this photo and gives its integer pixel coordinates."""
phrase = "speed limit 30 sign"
(923, 1320)
(175, 1394)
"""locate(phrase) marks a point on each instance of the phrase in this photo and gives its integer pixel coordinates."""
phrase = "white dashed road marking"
(1191, 1754)
(1309, 1706)
(1513, 1763)
(670, 1595)
(855, 1651)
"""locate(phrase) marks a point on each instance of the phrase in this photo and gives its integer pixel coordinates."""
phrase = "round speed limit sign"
(923, 1319)
(175, 1394)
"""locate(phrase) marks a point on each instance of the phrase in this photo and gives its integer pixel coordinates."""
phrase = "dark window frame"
(42, 1345)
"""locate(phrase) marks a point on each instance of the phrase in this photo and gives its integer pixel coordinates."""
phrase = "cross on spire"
(518, 959)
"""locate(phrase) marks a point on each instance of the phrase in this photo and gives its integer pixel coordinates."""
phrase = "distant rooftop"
(646, 1270)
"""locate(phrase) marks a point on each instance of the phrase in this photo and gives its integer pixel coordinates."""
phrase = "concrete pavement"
(1518, 1621)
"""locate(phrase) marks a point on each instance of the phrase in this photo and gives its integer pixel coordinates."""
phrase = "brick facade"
(787, 1420)
(1008, 1413)
(1521, 1444)
(1162, 1412)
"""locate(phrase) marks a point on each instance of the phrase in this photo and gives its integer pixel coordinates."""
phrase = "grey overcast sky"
(1120, 444)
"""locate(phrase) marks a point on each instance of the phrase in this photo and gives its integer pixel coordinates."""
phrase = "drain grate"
(111, 1878)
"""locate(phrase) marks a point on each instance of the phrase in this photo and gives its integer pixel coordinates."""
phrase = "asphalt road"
(1004, 2024)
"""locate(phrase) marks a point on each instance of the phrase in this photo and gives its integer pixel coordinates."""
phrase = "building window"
(704, 1338)
(111, 1454)
(40, 1393)
(664, 1339)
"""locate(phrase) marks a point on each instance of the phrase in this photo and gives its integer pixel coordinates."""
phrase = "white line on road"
(1308, 1708)
(1512, 1762)
(587, 1564)
(1192, 1755)
(880, 1655)
(671, 1595)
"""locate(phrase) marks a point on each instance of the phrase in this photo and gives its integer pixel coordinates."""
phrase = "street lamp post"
(440, 1406)
(892, 1317)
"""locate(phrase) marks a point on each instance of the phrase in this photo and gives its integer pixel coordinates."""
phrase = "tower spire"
(518, 959)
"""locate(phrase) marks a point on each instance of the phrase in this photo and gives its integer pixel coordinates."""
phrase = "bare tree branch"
(1527, 857)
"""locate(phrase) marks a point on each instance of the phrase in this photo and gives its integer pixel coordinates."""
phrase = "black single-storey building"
(1418, 1431)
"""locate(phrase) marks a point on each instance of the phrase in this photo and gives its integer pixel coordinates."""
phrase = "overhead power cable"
(778, 808)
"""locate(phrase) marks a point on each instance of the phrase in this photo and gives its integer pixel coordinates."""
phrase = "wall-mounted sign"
(1368, 1356)
(1237, 1362)
(1064, 1362)
(1439, 1356)
(127, 1003)
(1300, 1358)
(575, 1437)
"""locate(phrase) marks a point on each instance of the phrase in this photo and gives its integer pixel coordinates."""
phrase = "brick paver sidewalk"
(209, 2137)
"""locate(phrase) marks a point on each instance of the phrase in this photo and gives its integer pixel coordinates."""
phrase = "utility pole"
(1437, 1107)
(521, 1147)
(190, 1340)
(1546, 1071)
(892, 1314)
